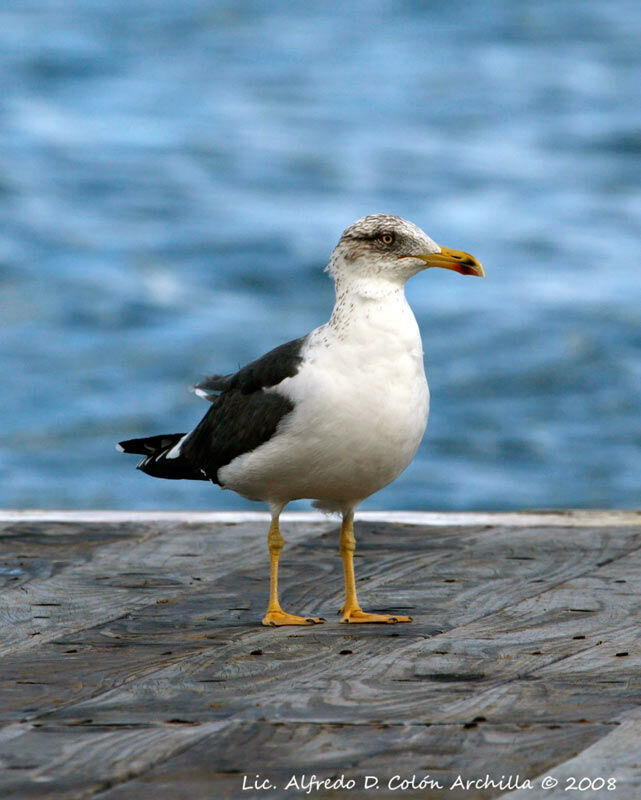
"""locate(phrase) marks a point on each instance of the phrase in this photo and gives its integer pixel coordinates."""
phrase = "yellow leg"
(351, 611)
(275, 615)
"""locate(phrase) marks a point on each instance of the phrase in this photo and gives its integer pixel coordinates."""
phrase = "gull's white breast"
(360, 409)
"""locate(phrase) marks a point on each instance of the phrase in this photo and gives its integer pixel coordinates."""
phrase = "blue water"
(174, 175)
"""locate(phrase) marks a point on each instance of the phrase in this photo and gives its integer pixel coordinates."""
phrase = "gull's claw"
(357, 615)
(276, 618)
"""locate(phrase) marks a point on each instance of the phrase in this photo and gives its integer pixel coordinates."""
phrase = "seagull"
(333, 416)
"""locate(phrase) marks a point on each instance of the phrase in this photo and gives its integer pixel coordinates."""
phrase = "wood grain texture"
(134, 665)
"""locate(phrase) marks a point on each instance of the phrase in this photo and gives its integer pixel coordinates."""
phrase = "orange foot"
(355, 615)
(279, 617)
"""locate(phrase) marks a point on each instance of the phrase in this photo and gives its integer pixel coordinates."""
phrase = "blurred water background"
(174, 175)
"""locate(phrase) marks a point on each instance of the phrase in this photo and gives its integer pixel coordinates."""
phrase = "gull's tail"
(162, 457)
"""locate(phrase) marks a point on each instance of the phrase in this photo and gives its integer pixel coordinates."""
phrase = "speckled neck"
(358, 299)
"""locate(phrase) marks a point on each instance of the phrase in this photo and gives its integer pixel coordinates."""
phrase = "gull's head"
(386, 247)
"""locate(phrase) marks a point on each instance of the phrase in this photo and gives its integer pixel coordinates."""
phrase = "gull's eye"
(386, 238)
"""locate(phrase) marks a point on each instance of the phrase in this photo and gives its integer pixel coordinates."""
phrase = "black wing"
(155, 462)
(242, 416)
(268, 370)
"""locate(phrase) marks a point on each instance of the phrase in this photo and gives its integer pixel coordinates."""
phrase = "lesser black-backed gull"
(333, 416)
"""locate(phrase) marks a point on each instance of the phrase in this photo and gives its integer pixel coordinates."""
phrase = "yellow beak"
(453, 259)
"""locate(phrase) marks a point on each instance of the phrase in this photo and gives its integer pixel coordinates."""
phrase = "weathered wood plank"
(98, 572)
(285, 751)
(66, 762)
(154, 629)
(474, 668)
(616, 758)
(515, 656)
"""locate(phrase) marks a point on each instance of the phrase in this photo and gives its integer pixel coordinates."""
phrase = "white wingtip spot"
(120, 448)
(175, 450)
(200, 392)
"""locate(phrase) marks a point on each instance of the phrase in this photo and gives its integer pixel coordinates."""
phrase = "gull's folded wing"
(242, 415)
(268, 370)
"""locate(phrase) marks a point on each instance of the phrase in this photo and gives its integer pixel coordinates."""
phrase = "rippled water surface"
(174, 175)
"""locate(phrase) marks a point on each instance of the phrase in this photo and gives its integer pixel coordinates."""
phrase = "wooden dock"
(134, 664)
